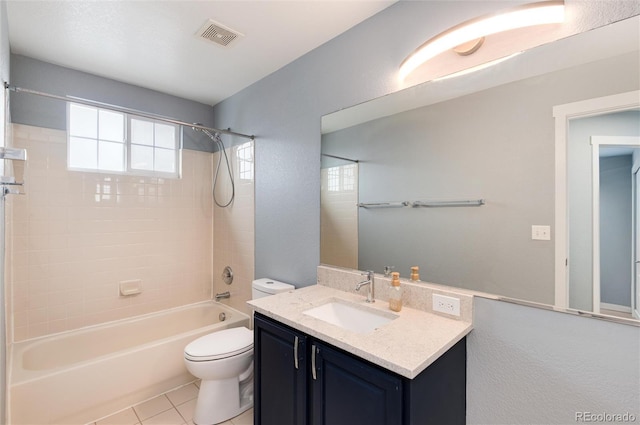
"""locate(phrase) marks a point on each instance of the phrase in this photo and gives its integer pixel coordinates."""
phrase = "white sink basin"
(351, 316)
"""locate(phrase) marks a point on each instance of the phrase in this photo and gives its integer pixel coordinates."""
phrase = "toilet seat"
(220, 345)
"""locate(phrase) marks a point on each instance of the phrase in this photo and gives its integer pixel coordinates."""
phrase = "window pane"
(244, 158)
(141, 132)
(245, 152)
(141, 157)
(83, 153)
(111, 126)
(83, 121)
(111, 156)
(166, 160)
(166, 136)
(333, 179)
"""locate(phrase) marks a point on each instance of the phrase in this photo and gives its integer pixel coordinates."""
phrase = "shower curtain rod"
(340, 157)
(125, 110)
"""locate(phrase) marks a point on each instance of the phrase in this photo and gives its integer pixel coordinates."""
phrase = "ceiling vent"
(217, 33)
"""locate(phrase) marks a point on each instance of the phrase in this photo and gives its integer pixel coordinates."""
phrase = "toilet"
(223, 360)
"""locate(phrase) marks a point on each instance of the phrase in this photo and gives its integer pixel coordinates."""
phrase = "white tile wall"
(339, 220)
(234, 233)
(75, 235)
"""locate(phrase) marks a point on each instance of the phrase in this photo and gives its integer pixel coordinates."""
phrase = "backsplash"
(416, 295)
(75, 235)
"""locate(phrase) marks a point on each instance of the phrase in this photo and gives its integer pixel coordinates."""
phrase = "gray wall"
(532, 366)
(579, 194)
(616, 229)
(38, 111)
(284, 111)
(496, 144)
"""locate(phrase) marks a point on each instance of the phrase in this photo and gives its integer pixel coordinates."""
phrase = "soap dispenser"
(395, 295)
(415, 274)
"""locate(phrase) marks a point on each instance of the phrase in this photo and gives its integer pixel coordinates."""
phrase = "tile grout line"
(137, 416)
(163, 411)
(175, 407)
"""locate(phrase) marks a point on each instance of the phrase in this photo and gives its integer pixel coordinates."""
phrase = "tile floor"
(173, 408)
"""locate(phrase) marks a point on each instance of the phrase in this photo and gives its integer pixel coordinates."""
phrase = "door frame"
(635, 282)
(562, 114)
(596, 143)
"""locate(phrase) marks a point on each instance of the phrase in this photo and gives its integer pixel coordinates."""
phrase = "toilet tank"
(265, 287)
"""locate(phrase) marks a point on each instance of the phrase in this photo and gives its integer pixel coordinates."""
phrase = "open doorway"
(614, 227)
(578, 250)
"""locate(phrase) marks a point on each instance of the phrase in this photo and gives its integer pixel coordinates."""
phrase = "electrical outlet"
(448, 305)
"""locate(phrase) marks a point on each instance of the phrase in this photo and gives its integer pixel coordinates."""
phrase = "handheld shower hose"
(220, 145)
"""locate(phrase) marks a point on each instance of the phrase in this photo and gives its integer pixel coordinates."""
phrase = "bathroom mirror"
(479, 151)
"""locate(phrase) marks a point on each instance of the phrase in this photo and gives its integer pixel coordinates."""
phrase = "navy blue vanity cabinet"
(333, 387)
(280, 367)
(438, 395)
(348, 391)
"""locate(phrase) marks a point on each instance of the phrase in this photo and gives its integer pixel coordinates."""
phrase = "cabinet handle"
(295, 352)
(313, 361)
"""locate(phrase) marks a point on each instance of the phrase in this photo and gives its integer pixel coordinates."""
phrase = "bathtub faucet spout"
(223, 295)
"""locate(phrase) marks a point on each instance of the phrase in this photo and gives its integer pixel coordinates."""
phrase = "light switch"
(540, 233)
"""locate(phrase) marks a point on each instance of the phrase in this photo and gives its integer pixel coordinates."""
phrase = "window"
(153, 146)
(104, 140)
(341, 178)
(333, 177)
(244, 154)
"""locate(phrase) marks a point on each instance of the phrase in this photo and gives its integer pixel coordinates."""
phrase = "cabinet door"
(280, 374)
(350, 391)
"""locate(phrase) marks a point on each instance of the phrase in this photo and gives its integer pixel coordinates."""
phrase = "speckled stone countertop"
(406, 345)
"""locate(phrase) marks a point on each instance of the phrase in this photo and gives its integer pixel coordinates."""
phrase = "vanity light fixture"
(468, 36)
(477, 68)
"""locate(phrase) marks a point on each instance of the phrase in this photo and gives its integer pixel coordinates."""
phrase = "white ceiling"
(152, 44)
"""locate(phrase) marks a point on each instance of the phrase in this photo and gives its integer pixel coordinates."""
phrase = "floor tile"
(170, 417)
(244, 419)
(174, 408)
(187, 410)
(183, 394)
(126, 417)
(152, 407)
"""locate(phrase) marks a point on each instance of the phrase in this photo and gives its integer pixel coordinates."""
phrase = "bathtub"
(80, 376)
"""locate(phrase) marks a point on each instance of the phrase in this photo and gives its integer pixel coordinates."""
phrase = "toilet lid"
(219, 345)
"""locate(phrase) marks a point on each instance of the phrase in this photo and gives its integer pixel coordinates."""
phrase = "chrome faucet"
(387, 270)
(370, 280)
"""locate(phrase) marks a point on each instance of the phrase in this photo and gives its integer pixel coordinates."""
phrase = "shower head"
(204, 130)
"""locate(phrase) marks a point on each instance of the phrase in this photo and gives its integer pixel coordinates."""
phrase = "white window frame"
(342, 178)
(177, 150)
(128, 170)
(245, 165)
